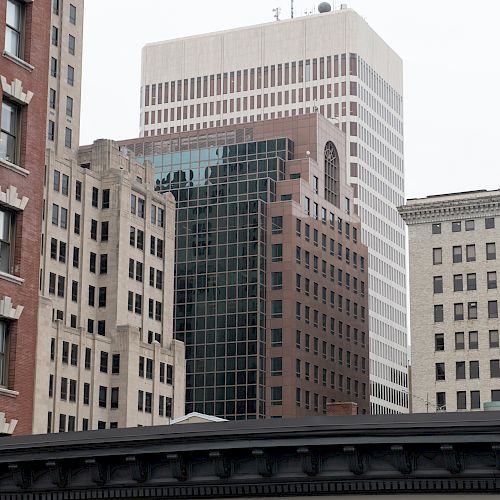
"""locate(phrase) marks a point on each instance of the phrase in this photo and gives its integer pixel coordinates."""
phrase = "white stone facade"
(106, 354)
(462, 231)
(333, 63)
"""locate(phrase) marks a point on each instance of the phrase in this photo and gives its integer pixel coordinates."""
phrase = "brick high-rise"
(334, 63)
(271, 275)
(24, 34)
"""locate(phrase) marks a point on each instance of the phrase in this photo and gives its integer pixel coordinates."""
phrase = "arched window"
(331, 173)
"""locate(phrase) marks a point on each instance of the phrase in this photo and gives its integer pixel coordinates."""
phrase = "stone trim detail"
(447, 210)
(15, 168)
(24, 64)
(8, 311)
(11, 198)
(15, 90)
(6, 427)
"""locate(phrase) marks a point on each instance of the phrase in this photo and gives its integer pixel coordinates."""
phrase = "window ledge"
(12, 166)
(7, 392)
(11, 278)
(18, 60)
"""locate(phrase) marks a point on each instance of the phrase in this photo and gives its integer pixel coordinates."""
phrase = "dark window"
(440, 401)
(473, 369)
(276, 396)
(436, 228)
(473, 340)
(115, 396)
(115, 364)
(494, 368)
(494, 338)
(105, 198)
(457, 254)
(438, 313)
(460, 370)
(456, 226)
(276, 366)
(492, 280)
(471, 281)
(472, 310)
(276, 337)
(461, 400)
(104, 231)
(437, 256)
(469, 225)
(88, 358)
(489, 222)
(470, 253)
(95, 197)
(439, 341)
(86, 393)
(475, 400)
(492, 309)
(104, 362)
(438, 284)
(440, 371)
(458, 283)
(458, 311)
(103, 396)
(74, 354)
(491, 252)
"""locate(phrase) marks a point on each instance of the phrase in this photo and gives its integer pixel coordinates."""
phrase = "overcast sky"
(450, 50)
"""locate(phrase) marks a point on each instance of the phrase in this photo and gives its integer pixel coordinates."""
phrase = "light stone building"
(333, 63)
(454, 240)
(106, 356)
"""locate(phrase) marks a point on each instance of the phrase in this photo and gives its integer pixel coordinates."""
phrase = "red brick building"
(24, 60)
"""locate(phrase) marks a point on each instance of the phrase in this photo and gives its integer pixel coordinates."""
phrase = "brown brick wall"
(28, 224)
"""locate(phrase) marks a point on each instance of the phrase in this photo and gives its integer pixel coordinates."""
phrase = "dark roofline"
(362, 429)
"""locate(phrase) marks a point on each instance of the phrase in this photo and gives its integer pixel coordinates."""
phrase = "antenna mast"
(291, 7)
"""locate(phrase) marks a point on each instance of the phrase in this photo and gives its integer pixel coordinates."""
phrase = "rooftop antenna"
(291, 7)
(277, 12)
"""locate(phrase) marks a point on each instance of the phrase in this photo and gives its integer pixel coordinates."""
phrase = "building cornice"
(297, 457)
(425, 211)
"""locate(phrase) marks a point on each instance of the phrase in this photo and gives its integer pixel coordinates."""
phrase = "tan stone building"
(106, 355)
(454, 240)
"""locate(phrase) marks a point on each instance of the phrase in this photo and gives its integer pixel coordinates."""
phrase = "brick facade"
(26, 175)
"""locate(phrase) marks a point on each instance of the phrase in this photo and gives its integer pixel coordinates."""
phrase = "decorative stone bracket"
(8, 311)
(15, 90)
(10, 198)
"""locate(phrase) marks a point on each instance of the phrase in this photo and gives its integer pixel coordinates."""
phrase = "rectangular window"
(494, 368)
(277, 252)
(473, 369)
(69, 106)
(277, 225)
(9, 135)
(438, 313)
(492, 309)
(276, 280)
(103, 396)
(437, 256)
(458, 283)
(103, 366)
(276, 337)
(68, 137)
(115, 396)
(71, 44)
(460, 370)
(494, 338)
(470, 253)
(440, 371)
(456, 227)
(70, 75)
(105, 198)
(475, 400)
(74, 355)
(471, 281)
(440, 401)
(472, 310)
(88, 358)
(438, 284)
(14, 26)
(473, 340)
(3, 353)
(86, 393)
(469, 225)
(492, 280)
(436, 228)
(439, 342)
(489, 223)
(7, 241)
(458, 310)
(276, 308)
(461, 400)
(276, 366)
(51, 130)
(54, 33)
(276, 396)
(457, 254)
(491, 252)
(72, 14)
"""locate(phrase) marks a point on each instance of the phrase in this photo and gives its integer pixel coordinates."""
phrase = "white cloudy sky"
(450, 50)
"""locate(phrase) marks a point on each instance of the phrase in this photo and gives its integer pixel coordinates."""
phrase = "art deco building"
(24, 36)
(336, 64)
(106, 356)
(454, 265)
(271, 275)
